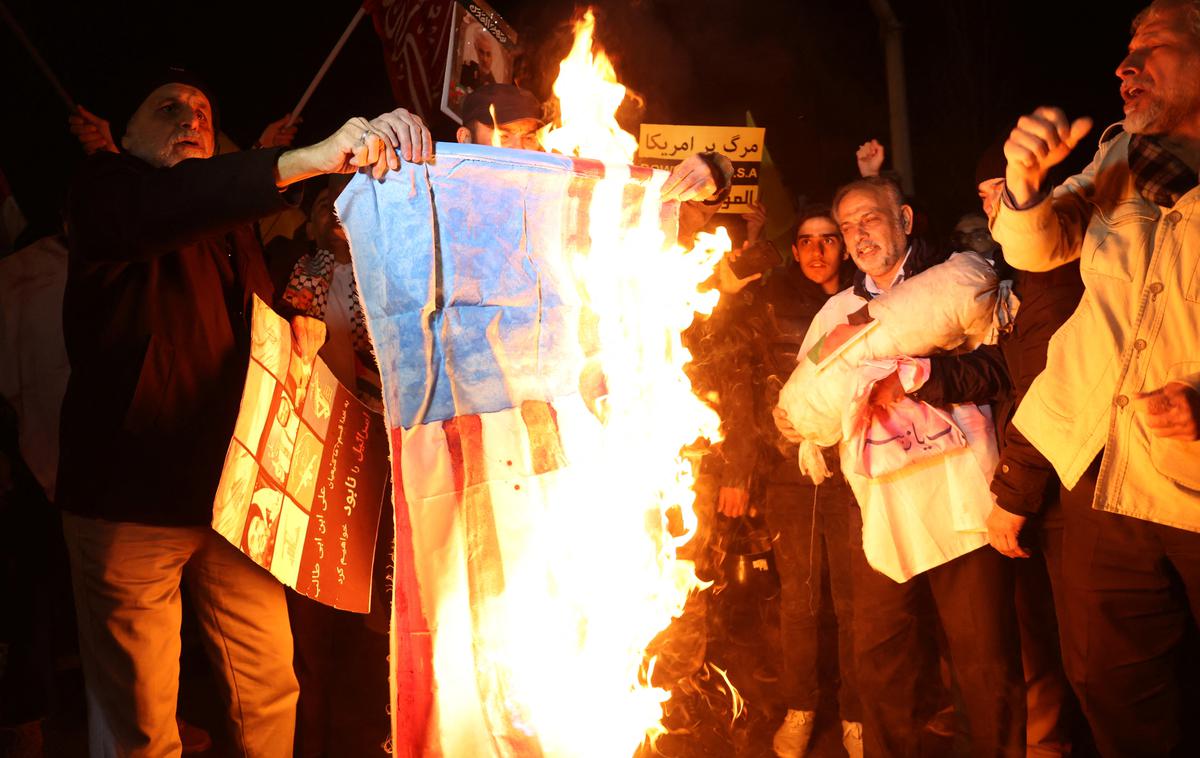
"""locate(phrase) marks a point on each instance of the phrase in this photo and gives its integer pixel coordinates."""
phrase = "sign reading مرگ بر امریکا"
(303, 483)
(665, 145)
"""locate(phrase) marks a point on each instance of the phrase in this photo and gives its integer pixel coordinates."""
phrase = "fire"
(495, 128)
(599, 577)
(588, 95)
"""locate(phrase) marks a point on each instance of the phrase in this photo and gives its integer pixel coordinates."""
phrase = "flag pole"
(325, 66)
(37, 58)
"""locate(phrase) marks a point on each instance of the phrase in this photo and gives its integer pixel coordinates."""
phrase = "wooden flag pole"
(325, 66)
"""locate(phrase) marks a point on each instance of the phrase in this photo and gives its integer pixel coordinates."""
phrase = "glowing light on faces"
(818, 249)
(1160, 76)
(172, 124)
(874, 235)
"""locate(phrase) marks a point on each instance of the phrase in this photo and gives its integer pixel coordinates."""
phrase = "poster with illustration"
(303, 483)
(483, 50)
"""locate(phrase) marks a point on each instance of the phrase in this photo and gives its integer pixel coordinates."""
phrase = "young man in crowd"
(163, 267)
(1117, 409)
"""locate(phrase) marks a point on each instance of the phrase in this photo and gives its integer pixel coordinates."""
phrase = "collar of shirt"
(1159, 175)
(874, 289)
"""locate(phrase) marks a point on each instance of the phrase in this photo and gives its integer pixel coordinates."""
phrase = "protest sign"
(665, 145)
(303, 482)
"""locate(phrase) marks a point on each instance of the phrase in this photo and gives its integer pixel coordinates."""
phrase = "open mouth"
(1131, 95)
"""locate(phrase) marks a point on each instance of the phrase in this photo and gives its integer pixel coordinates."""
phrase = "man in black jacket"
(1026, 487)
(162, 271)
(967, 596)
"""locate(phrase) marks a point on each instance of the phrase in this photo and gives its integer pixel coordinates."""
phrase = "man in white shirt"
(969, 596)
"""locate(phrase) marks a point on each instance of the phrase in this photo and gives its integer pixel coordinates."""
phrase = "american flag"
(465, 271)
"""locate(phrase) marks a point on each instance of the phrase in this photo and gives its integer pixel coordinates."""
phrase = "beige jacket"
(1137, 328)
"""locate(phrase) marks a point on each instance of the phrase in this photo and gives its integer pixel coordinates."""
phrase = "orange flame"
(496, 141)
(571, 642)
(589, 95)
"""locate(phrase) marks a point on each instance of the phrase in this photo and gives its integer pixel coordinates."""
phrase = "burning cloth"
(470, 272)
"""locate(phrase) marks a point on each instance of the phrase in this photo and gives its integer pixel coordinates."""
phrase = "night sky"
(810, 71)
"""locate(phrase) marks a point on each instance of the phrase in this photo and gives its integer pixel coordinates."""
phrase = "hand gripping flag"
(466, 269)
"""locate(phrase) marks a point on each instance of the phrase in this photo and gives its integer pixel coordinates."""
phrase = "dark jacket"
(763, 327)
(162, 270)
(1024, 481)
(784, 309)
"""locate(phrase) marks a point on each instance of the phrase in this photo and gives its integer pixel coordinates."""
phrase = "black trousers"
(1130, 603)
(896, 627)
(811, 531)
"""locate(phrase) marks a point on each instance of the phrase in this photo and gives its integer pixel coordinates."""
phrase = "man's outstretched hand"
(693, 179)
(360, 143)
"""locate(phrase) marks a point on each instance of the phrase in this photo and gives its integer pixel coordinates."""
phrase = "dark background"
(810, 71)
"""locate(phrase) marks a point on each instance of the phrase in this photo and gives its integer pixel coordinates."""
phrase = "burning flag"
(526, 311)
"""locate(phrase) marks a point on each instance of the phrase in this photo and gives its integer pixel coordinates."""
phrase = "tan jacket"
(1136, 328)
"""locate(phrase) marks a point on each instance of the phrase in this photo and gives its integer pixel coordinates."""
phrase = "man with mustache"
(1117, 408)
(969, 596)
(161, 276)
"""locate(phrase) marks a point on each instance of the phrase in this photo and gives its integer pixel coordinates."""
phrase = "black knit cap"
(511, 102)
(140, 89)
(992, 163)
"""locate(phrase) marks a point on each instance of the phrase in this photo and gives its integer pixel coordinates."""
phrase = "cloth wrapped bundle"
(925, 502)
(948, 307)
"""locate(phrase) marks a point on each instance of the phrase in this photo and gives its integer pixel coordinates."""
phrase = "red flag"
(416, 37)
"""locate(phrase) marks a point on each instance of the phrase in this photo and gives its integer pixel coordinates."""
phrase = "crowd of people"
(1030, 571)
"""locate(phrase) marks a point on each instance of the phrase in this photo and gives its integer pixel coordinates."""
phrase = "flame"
(588, 95)
(570, 643)
(496, 141)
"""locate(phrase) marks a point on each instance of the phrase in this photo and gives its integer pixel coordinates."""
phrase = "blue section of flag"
(469, 298)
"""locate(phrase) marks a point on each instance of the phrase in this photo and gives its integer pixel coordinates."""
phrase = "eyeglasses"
(824, 240)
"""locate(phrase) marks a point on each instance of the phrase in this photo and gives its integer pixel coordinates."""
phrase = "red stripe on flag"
(412, 644)
(588, 167)
(641, 174)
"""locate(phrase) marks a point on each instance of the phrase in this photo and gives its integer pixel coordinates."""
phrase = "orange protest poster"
(305, 475)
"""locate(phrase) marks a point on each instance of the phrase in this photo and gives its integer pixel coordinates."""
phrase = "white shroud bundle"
(923, 488)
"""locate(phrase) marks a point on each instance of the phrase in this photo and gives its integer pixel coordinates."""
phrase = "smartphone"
(755, 259)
